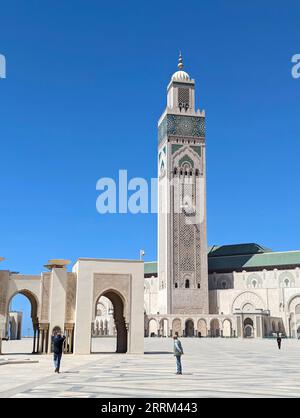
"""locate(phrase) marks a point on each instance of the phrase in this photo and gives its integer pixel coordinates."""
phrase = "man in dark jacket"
(178, 351)
(279, 340)
(58, 342)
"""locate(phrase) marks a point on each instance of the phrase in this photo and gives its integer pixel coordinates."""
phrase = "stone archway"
(189, 328)
(215, 328)
(246, 301)
(227, 328)
(294, 315)
(176, 327)
(164, 327)
(40, 337)
(118, 304)
(202, 328)
(248, 328)
(152, 328)
(121, 281)
(104, 322)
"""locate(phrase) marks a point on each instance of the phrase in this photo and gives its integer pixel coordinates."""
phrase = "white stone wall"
(270, 290)
(275, 292)
(151, 290)
(94, 278)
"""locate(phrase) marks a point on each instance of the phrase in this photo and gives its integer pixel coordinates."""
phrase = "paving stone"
(211, 368)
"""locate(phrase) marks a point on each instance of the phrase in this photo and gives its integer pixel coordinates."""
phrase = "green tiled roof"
(150, 268)
(253, 261)
(239, 257)
(237, 249)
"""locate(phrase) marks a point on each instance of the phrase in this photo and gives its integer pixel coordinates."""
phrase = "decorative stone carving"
(46, 278)
(286, 279)
(293, 302)
(254, 280)
(118, 283)
(247, 298)
(71, 297)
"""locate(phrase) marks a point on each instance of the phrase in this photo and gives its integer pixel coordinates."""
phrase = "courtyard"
(212, 367)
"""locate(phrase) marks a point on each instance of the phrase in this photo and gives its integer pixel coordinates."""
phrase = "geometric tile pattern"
(211, 368)
(185, 126)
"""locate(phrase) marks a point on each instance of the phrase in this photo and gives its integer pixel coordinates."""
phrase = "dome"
(180, 76)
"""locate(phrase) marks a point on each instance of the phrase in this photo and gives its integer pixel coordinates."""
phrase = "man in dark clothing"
(278, 340)
(178, 351)
(58, 342)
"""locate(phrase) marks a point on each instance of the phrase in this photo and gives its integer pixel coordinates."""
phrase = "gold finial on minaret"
(180, 61)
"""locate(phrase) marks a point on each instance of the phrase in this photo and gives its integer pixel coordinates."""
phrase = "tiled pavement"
(211, 368)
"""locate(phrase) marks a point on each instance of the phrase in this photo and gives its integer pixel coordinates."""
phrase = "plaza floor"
(211, 368)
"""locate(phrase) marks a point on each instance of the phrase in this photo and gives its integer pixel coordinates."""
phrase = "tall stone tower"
(182, 245)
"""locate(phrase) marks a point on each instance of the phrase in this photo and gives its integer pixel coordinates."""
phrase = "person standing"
(278, 340)
(178, 351)
(58, 342)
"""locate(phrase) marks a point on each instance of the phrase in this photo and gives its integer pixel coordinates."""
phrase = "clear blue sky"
(86, 83)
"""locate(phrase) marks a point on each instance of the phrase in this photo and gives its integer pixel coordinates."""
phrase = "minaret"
(182, 246)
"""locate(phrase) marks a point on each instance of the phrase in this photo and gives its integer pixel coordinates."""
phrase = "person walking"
(178, 351)
(278, 340)
(58, 342)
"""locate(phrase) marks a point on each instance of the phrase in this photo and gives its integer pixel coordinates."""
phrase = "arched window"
(198, 285)
(187, 284)
(224, 285)
(254, 283)
(176, 285)
(286, 283)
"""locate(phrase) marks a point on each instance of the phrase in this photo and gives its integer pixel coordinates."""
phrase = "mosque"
(243, 290)
(232, 291)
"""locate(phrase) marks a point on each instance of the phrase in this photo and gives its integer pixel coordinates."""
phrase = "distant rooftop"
(236, 249)
(150, 268)
(238, 257)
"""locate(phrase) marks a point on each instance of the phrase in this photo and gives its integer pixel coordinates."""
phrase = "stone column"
(68, 347)
(43, 341)
(239, 327)
(67, 341)
(122, 336)
(38, 341)
(257, 326)
(58, 286)
(47, 340)
(0, 340)
(34, 339)
(72, 340)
